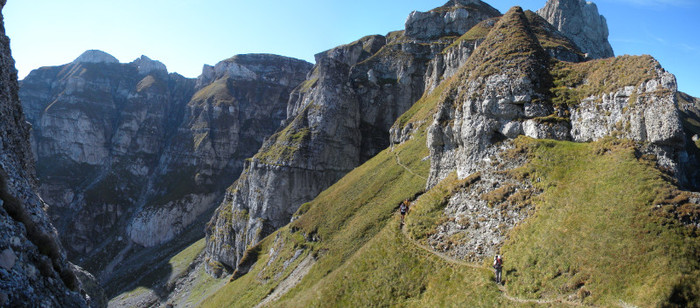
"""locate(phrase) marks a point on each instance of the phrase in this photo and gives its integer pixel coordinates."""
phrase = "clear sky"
(185, 34)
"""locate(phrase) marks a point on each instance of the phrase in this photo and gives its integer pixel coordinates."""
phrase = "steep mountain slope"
(599, 222)
(33, 265)
(338, 118)
(323, 140)
(130, 156)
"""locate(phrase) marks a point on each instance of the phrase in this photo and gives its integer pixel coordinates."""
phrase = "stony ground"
(481, 214)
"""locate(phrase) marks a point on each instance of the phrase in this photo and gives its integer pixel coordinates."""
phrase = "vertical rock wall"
(33, 266)
(580, 21)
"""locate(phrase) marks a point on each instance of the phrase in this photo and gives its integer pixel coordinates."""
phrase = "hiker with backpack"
(403, 209)
(498, 266)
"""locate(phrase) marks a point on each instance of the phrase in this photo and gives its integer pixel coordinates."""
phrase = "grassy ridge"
(595, 233)
(572, 82)
(391, 271)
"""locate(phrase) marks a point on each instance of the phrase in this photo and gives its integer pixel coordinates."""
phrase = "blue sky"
(185, 34)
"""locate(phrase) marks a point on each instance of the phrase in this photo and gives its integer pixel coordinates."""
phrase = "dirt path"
(502, 288)
(398, 161)
(439, 254)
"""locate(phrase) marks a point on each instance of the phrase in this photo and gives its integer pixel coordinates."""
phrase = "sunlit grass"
(594, 232)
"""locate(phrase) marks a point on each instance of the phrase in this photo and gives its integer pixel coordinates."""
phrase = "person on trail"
(498, 266)
(403, 208)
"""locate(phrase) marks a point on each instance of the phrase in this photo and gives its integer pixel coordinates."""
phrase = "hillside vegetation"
(608, 228)
(595, 237)
(597, 232)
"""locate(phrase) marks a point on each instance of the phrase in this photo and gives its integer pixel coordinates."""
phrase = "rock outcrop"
(567, 102)
(34, 270)
(454, 18)
(130, 154)
(337, 119)
(501, 94)
(579, 20)
(505, 79)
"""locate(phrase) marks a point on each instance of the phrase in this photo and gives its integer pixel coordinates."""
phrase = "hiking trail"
(502, 288)
(453, 260)
(398, 161)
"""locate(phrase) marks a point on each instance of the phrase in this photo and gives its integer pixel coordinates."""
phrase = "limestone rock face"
(656, 120)
(34, 270)
(98, 129)
(503, 101)
(509, 86)
(145, 65)
(131, 155)
(580, 21)
(337, 119)
(454, 18)
(689, 109)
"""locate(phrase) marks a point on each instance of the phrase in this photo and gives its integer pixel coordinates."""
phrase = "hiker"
(86, 297)
(498, 266)
(403, 208)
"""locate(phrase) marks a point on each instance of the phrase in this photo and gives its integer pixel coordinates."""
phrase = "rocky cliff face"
(131, 155)
(34, 270)
(501, 94)
(579, 20)
(565, 101)
(98, 131)
(338, 118)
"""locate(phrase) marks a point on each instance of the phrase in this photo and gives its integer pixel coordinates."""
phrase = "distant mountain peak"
(452, 19)
(95, 56)
(461, 2)
(146, 65)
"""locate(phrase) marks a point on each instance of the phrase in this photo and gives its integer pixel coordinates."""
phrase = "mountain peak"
(510, 47)
(454, 18)
(95, 56)
(580, 21)
(146, 65)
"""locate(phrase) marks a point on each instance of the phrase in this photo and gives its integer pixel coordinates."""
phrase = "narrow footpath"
(398, 161)
(502, 288)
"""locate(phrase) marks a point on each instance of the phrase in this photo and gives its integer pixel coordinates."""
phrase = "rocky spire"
(579, 20)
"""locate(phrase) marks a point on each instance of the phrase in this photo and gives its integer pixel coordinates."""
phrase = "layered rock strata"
(131, 154)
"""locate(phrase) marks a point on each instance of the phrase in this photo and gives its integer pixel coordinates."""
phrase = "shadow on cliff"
(148, 276)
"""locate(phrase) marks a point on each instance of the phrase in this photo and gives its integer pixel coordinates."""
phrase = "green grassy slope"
(605, 231)
(339, 222)
(597, 232)
(342, 220)
(595, 235)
